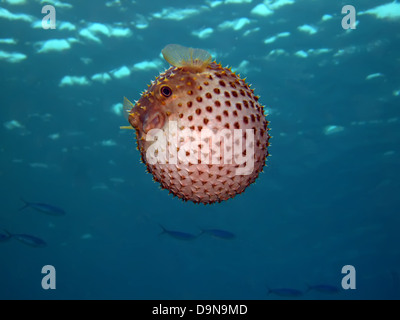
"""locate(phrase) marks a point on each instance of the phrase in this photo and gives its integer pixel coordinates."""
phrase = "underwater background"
(329, 196)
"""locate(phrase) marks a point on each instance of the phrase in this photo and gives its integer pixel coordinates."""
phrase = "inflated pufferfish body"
(200, 129)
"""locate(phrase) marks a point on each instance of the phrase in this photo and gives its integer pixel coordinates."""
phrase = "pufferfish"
(201, 131)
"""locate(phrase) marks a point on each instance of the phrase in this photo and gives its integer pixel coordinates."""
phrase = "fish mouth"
(145, 122)
(153, 121)
(145, 117)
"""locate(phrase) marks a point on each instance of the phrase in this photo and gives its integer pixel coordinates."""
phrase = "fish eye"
(166, 91)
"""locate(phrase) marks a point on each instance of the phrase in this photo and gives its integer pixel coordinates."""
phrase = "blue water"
(329, 196)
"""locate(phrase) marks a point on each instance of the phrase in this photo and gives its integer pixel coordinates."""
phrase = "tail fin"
(163, 229)
(25, 206)
(8, 233)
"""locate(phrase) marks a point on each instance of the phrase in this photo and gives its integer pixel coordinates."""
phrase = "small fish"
(178, 234)
(4, 235)
(30, 240)
(218, 233)
(324, 288)
(285, 292)
(43, 207)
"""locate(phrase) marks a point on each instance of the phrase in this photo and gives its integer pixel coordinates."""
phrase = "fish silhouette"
(219, 233)
(43, 207)
(30, 240)
(178, 234)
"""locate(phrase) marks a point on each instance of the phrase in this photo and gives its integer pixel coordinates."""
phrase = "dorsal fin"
(180, 56)
(127, 108)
